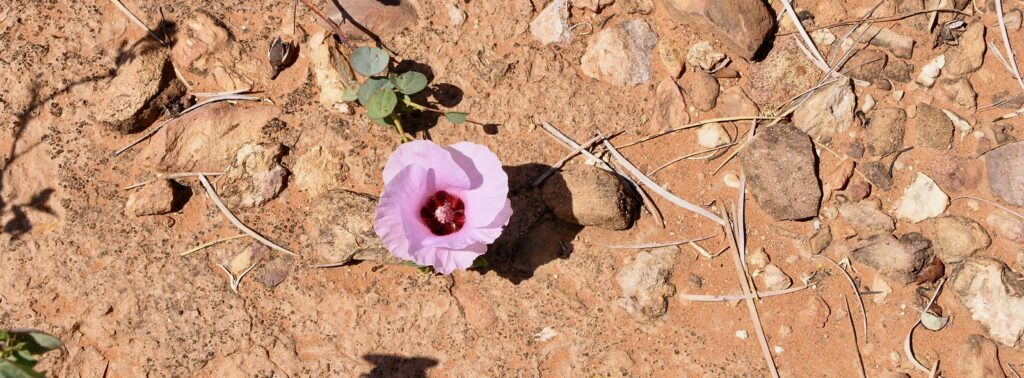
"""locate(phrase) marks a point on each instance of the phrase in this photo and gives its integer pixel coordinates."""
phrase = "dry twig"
(234, 220)
(739, 297)
(856, 291)
(856, 345)
(210, 244)
(654, 245)
(135, 19)
(908, 346)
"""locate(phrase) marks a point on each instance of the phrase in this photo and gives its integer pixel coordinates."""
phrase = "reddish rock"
(743, 23)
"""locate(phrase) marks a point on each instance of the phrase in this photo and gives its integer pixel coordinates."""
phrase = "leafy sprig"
(19, 350)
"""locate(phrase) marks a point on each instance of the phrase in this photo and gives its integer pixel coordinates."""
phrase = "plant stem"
(398, 125)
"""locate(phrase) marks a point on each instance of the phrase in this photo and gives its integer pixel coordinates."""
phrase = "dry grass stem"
(856, 345)
(234, 220)
(576, 151)
(856, 291)
(210, 244)
(739, 297)
(169, 176)
(692, 125)
(653, 245)
(908, 347)
(148, 134)
(135, 20)
(690, 156)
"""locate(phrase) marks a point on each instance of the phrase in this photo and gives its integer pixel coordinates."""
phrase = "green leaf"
(371, 86)
(351, 93)
(10, 369)
(383, 121)
(369, 61)
(381, 104)
(37, 342)
(411, 82)
(456, 117)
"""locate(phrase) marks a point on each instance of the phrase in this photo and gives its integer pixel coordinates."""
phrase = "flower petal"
(446, 260)
(488, 192)
(448, 174)
(397, 220)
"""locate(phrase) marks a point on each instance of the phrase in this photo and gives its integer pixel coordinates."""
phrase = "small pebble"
(898, 95)
(778, 349)
(731, 180)
(869, 103)
(785, 330)
(742, 335)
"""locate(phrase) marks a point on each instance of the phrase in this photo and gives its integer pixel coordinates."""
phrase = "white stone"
(704, 56)
(775, 279)
(712, 135)
(456, 16)
(742, 335)
(552, 24)
(923, 199)
(931, 71)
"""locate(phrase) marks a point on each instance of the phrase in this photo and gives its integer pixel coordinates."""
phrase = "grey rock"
(702, 88)
(897, 259)
(645, 283)
(1004, 167)
(884, 134)
(829, 110)
(898, 70)
(621, 55)
(932, 128)
(552, 24)
(703, 56)
(780, 166)
(255, 177)
(959, 91)
(955, 238)
(590, 196)
(866, 216)
(669, 106)
(138, 94)
(339, 229)
(1006, 226)
(878, 174)
(993, 294)
(966, 56)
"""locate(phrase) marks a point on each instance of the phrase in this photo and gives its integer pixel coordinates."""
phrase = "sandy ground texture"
(81, 259)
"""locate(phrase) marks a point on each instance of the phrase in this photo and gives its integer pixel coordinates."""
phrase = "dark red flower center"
(443, 213)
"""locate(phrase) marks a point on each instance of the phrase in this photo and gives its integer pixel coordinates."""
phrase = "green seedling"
(19, 350)
(388, 98)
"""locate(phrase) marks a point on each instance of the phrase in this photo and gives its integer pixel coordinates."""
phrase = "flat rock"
(878, 174)
(829, 110)
(383, 18)
(153, 199)
(704, 56)
(815, 312)
(866, 216)
(993, 294)
(899, 45)
(255, 177)
(712, 135)
(745, 24)
(955, 238)
(966, 56)
(932, 128)
(332, 72)
(645, 283)
(338, 228)
(206, 140)
(923, 199)
(590, 196)
(669, 106)
(784, 73)
(671, 58)
(867, 65)
(775, 279)
(884, 134)
(978, 357)
(898, 70)
(780, 166)
(318, 171)
(897, 259)
(138, 94)
(207, 53)
(734, 101)
(592, 5)
(702, 89)
(956, 174)
(552, 24)
(1004, 167)
(621, 55)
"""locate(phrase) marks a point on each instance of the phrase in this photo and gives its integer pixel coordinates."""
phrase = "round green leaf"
(371, 86)
(381, 104)
(40, 342)
(351, 93)
(411, 82)
(10, 369)
(456, 117)
(384, 122)
(369, 61)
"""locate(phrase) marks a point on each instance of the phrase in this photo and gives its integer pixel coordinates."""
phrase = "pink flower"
(442, 206)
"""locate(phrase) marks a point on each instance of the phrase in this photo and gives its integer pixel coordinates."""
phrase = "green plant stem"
(398, 125)
(419, 107)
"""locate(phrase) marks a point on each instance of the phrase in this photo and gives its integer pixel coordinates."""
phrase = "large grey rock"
(1005, 169)
(138, 94)
(780, 167)
(645, 283)
(621, 54)
(590, 196)
(993, 294)
(338, 229)
(745, 24)
(955, 238)
(897, 259)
